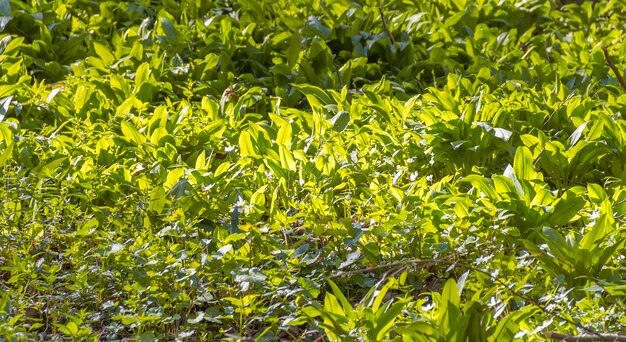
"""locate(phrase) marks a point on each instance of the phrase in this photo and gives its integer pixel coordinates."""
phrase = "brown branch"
(570, 338)
(405, 264)
(382, 15)
(401, 264)
(607, 57)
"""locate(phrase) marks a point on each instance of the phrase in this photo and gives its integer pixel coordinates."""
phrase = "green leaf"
(5, 14)
(593, 238)
(157, 200)
(450, 293)
(9, 89)
(499, 133)
(558, 245)
(48, 168)
(103, 52)
(340, 121)
(385, 321)
(573, 139)
(566, 208)
(508, 327)
(523, 164)
(334, 310)
(5, 8)
(201, 161)
(316, 96)
(141, 75)
(461, 282)
(293, 52)
(347, 307)
(509, 173)
(88, 227)
(166, 27)
(131, 133)
(173, 177)
(5, 103)
(246, 146)
(6, 137)
(284, 135)
(481, 184)
(286, 158)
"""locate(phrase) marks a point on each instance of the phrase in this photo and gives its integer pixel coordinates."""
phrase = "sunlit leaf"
(132, 133)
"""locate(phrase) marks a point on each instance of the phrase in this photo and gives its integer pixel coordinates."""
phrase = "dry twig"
(570, 338)
(593, 334)
(607, 57)
(382, 15)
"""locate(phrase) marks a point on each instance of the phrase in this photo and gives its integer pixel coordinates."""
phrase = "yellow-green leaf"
(286, 158)
(157, 200)
(103, 52)
(246, 146)
(284, 135)
(131, 133)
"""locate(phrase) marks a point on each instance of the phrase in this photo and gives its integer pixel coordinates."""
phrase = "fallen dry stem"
(571, 338)
(607, 57)
(395, 267)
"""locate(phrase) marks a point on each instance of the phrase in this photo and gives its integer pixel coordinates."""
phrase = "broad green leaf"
(286, 158)
(293, 52)
(558, 245)
(573, 139)
(88, 227)
(141, 75)
(509, 173)
(523, 164)
(5, 14)
(379, 295)
(340, 121)
(258, 198)
(128, 105)
(565, 209)
(157, 200)
(5, 8)
(450, 293)
(173, 177)
(47, 168)
(345, 304)
(284, 135)
(508, 327)
(461, 282)
(596, 193)
(157, 135)
(104, 53)
(332, 306)
(201, 161)
(131, 133)
(246, 146)
(6, 137)
(5, 103)
(166, 27)
(385, 321)
(222, 168)
(593, 238)
(481, 184)
(9, 89)
(499, 133)
(315, 95)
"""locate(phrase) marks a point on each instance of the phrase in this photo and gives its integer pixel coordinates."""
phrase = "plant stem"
(382, 15)
(607, 57)
(397, 266)
(563, 337)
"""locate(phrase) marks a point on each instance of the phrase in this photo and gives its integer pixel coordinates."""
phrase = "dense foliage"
(290, 169)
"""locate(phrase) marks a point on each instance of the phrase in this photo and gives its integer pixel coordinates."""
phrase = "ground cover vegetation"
(301, 170)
